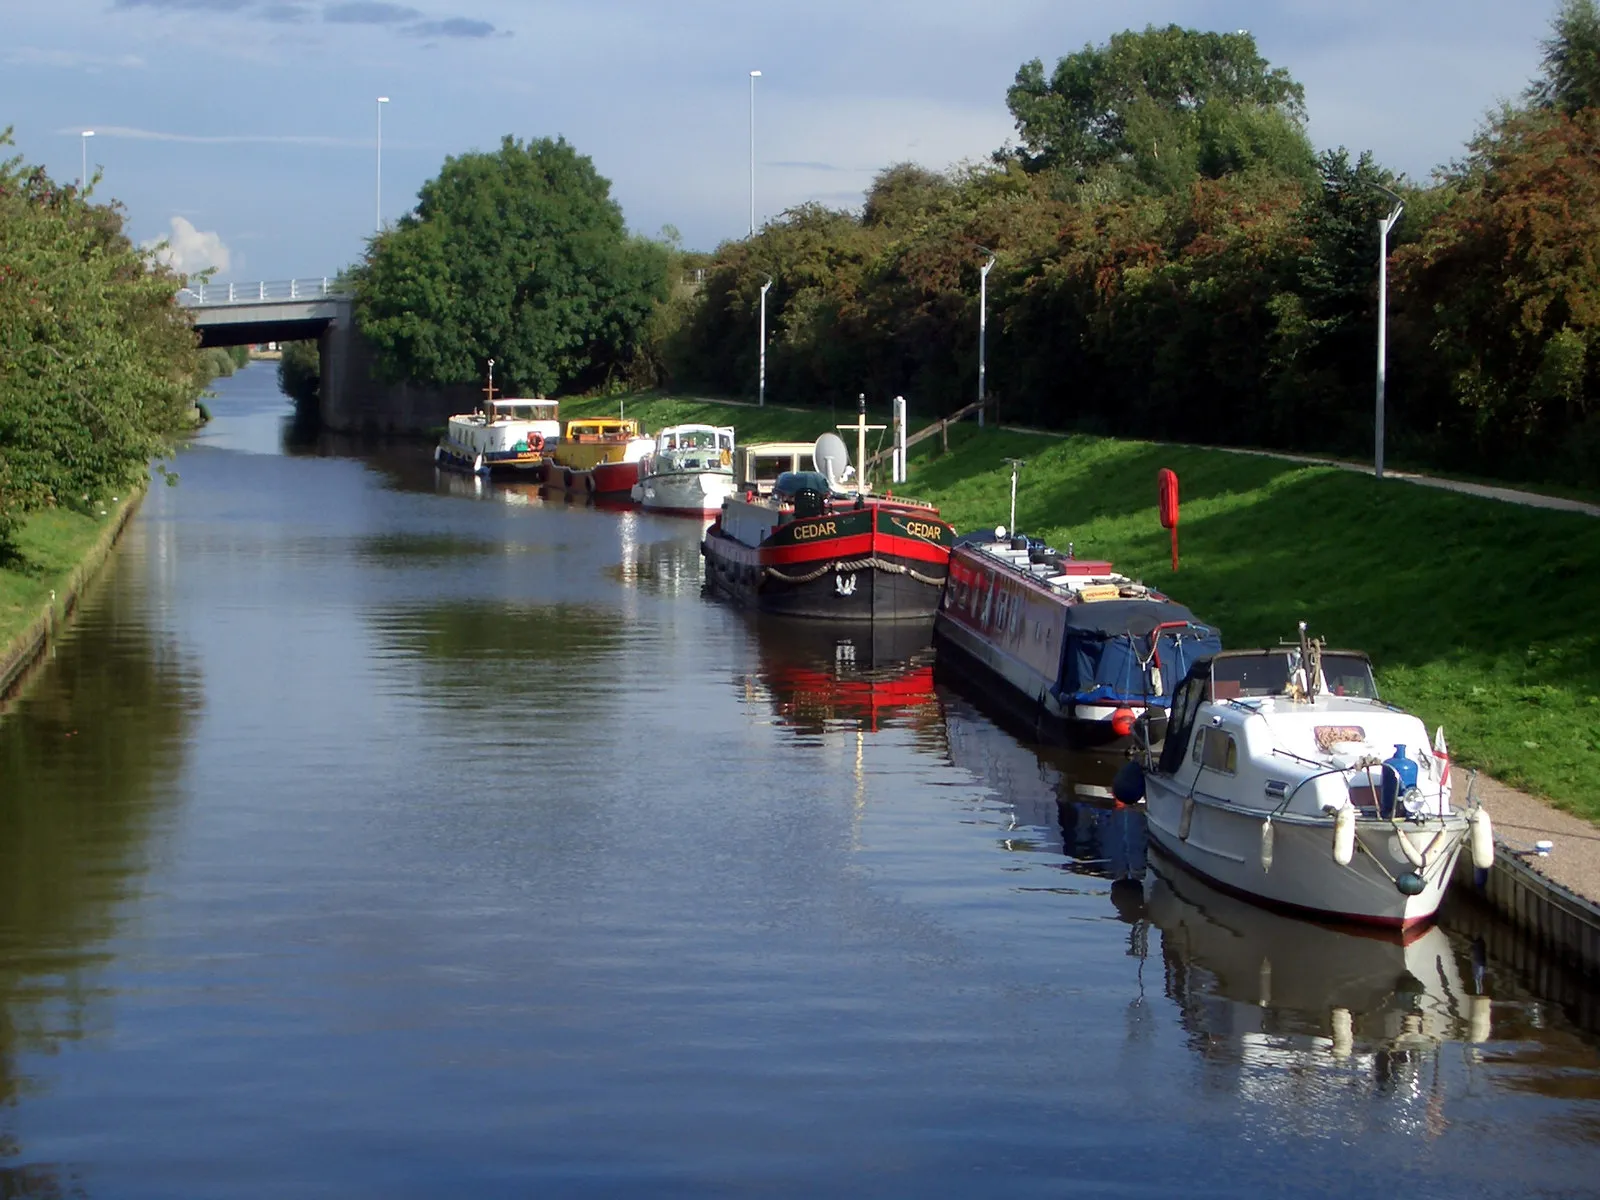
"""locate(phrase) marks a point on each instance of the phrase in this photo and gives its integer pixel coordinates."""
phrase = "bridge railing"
(261, 290)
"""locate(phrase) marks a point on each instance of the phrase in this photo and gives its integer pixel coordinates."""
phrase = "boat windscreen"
(1348, 674)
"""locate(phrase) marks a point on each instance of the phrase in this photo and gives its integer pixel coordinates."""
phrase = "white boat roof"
(536, 402)
(695, 427)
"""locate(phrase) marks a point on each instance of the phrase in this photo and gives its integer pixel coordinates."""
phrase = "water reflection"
(819, 676)
(87, 758)
(1292, 1012)
(1060, 801)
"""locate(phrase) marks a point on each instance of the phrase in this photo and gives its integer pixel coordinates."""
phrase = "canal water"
(373, 834)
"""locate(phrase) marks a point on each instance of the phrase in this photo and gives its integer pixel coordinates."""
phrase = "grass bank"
(58, 551)
(1478, 614)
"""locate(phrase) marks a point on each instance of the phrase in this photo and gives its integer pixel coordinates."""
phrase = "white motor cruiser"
(689, 471)
(1283, 778)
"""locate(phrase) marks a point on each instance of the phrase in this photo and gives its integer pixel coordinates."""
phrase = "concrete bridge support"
(356, 399)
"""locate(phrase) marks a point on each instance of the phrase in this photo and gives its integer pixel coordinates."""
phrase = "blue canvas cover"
(1106, 654)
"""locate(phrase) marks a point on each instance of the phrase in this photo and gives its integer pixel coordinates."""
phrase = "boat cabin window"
(1264, 674)
(1348, 675)
(765, 468)
(1215, 748)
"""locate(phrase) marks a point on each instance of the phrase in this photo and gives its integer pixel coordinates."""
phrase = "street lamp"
(83, 179)
(761, 387)
(754, 75)
(1385, 224)
(983, 329)
(382, 100)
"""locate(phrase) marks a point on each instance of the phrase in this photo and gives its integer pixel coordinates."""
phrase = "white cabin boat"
(690, 470)
(1283, 778)
(508, 435)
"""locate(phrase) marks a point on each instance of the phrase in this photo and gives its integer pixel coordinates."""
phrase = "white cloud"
(189, 250)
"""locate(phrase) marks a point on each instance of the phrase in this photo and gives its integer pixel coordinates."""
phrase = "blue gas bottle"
(1399, 774)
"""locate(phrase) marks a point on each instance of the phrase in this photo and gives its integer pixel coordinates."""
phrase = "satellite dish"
(831, 458)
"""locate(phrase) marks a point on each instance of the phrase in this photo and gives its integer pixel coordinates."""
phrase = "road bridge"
(285, 310)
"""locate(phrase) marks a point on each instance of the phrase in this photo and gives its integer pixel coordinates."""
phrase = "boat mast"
(488, 393)
(861, 428)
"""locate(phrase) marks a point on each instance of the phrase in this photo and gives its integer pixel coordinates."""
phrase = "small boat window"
(1215, 748)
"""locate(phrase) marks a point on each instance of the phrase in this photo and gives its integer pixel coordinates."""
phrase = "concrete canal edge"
(28, 647)
(1556, 918)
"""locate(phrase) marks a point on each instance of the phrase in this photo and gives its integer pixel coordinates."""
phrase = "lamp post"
(761, 386)
(983, 329)
(754, 75)
(382, 100)
(1385, 224)
(83, 142)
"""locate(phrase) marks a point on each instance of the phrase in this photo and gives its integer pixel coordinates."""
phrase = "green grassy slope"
(1479, 615)
(51, 544)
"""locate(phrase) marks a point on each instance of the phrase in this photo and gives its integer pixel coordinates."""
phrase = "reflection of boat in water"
(866, 676)
(1264, 990)
(1064, 797)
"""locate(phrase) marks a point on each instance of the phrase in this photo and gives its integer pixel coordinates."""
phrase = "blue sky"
(246, 130)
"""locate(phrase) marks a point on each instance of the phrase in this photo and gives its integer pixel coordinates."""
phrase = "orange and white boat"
(598, 455)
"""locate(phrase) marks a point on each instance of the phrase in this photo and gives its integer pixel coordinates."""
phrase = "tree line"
(1173, 259)
(99, 367)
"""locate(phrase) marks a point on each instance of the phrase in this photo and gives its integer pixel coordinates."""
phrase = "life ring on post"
(535, 442)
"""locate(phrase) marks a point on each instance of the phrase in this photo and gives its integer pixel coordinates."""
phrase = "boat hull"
(1026, 694)
(867, 564)
(687, 493)
(613, 480)
(1222, 843)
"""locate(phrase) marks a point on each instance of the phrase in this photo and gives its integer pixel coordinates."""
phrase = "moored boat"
(818, 546)
(1283, 778)
(1073, 650)
(508, 435)
(598, 455)
(689, 470)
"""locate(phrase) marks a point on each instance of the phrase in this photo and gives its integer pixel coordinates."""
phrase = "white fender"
(1266, 846)
(1264, 984)
(1482, 840)
(477, 464)
(1433, 844)
(1344, 835)
(438, 453)
(1413, 856)
(1186, 818)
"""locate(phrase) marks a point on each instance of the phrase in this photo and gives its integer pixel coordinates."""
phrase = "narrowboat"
(598, 456)
(1075, 651)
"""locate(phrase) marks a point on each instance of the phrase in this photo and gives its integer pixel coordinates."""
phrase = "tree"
(1165, 102)
(1571, 65)
(1510, 276)
(100, 364)
(521, 256)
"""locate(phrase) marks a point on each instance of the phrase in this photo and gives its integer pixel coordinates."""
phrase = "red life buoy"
(536, 442)
(1167, 483)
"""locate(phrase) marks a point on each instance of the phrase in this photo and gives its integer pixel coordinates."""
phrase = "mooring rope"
(860, 564)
